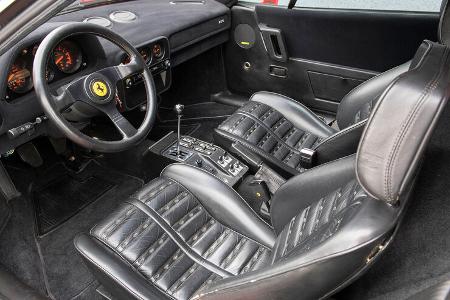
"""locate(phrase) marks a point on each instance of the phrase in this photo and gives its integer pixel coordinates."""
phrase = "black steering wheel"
(97, 90)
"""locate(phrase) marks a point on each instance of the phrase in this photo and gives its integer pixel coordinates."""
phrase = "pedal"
(30, 155)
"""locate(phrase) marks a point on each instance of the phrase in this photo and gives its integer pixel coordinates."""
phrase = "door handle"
(274, 42)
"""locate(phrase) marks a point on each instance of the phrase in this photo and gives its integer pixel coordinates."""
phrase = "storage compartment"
(331, 87)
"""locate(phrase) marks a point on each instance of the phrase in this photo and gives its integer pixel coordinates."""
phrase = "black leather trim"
(222, 202)
(340, 144)
(299, 115)
(368, 91)
(174, 236)
(302, 190)
(401, 125)
(113, 272)
(444, 24)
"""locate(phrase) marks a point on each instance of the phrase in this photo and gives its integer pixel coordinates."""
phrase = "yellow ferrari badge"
(99, 88)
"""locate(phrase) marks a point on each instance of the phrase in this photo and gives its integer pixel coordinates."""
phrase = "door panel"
(329, 52)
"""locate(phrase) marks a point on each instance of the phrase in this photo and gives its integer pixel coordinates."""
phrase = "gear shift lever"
(179, 111)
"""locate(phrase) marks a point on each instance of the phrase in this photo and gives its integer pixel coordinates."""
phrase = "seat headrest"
(444, 24)
(401, 124)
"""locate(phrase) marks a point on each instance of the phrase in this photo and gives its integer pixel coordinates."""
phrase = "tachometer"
(67, 57)
(19, 78)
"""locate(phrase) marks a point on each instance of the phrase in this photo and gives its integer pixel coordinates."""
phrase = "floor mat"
(64, 197)
(66, 275)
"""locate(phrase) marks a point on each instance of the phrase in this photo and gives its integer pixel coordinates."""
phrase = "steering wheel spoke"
(122, 71)
(63, 100)
(126, 129)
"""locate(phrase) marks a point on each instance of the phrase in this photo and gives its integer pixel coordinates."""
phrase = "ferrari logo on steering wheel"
(99, 88)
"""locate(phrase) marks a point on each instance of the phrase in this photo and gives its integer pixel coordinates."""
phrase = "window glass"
(396, 5)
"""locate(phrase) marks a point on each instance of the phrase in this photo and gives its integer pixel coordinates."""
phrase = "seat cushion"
(215, 251)
(275, 128)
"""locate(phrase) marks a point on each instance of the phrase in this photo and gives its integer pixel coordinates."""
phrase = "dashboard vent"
(123, 16)
(99, 21)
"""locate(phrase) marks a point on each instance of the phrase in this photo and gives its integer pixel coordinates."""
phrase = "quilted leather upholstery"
(151, 252)
(318, 221)
(267, 132)
(134, 236)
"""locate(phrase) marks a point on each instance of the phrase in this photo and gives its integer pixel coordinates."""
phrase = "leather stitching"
(409, 122)
(342, 132)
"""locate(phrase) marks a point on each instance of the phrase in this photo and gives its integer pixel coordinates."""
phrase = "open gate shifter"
(179, 111)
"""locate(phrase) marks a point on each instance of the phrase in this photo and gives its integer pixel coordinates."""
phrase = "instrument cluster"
(67, 58)
(151, 54)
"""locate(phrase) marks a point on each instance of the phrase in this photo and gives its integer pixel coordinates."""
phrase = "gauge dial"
(67, 57)
(19, 78)
(146, 55)
(157, 51)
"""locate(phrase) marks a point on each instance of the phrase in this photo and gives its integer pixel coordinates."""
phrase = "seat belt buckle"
(307, 158)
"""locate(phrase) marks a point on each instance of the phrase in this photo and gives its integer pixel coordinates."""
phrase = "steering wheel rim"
(82, 90)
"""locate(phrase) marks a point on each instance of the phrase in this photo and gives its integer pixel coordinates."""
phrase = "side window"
(388, 5)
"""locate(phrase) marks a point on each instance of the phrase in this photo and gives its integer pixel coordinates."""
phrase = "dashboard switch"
(18, 131)
(27, 127)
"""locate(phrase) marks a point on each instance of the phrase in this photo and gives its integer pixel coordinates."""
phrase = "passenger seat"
(277, 128)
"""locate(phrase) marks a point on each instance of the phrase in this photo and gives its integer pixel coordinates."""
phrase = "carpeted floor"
(50, 263)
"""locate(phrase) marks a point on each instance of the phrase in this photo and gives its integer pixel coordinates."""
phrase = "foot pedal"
(29, 154)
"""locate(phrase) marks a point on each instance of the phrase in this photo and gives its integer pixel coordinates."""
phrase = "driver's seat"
(188, 235)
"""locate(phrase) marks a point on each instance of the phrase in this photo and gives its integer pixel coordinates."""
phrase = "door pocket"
(331, 87)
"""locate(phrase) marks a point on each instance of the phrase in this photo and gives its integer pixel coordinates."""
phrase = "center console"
(203, 155)
(209, 157)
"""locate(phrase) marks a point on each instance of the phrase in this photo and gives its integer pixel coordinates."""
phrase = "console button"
(199, 163)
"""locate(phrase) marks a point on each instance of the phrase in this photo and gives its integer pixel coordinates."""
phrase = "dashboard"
(166, 33)
(67, 58)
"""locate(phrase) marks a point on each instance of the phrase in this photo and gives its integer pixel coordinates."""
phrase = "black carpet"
(18, 250)
(50, 263)
(66, 195)
(66, 273)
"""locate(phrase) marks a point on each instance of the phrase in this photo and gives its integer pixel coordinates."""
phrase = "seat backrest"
(396, 135)
(357, 105)
(333, 221)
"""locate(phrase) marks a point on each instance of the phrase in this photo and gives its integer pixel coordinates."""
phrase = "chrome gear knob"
(179, 109)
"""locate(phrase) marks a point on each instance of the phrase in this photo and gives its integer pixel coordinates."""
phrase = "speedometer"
(67, 57)
(19, 78)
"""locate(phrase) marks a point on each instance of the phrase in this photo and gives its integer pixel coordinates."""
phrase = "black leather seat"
(189, 235)
(277, 128)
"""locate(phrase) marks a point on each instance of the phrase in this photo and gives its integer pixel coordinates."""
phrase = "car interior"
(222, 149)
